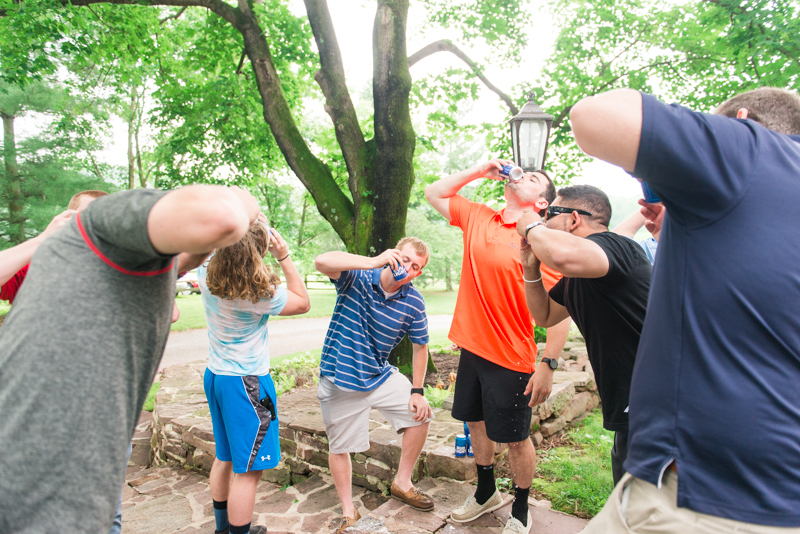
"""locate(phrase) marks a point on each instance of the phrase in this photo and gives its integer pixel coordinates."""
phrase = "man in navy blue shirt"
(373, 313)
(715, 403)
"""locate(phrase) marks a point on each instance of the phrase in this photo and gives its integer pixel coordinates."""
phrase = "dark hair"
(549, 193)
(771, 107)
(589, 198)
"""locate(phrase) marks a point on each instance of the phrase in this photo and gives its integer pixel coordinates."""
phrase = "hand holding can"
(512, 173)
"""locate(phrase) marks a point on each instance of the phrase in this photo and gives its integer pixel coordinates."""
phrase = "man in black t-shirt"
(604, 290)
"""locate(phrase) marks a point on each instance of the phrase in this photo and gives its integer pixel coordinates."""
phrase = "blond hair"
(75, 201)
(419, 247)
(239, 272)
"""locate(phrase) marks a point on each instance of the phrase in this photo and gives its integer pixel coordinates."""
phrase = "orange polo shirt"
(491, 317)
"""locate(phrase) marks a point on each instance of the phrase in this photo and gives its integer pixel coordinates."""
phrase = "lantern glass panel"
(532, 143)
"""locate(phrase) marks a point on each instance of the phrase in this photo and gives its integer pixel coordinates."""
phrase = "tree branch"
(219, 7)
(445, 45)
(172, 17)
(338, 104)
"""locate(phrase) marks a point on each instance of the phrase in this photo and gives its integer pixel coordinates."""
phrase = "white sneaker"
(471, 510)
(515, 527)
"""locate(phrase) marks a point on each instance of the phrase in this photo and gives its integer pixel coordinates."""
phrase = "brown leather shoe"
(413, 497)
(348, 522)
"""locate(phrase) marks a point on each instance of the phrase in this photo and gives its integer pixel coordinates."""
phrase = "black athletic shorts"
(489, 392)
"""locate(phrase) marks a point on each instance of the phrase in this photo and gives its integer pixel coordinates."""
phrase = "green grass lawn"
(576, 478)
(322, 303)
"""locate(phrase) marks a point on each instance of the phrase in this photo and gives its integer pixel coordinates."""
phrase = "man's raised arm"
(568, 254)
(440, 192)
(608, 126)
(199, 218)
(331, 264)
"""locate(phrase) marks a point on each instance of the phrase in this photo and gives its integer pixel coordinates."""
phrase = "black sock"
(486, 487)
(519, 508)
(221, 515)
(244, 529)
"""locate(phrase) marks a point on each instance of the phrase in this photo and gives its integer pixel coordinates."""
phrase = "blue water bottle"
(469, 440)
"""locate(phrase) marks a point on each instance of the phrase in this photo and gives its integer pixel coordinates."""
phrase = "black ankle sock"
(519, 509)
(244, 529)
(486, 487)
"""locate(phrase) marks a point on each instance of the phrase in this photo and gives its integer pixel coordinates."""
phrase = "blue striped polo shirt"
(366, 326)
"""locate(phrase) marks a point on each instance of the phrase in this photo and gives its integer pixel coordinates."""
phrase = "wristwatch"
(551, 362)
(531, 226)
(421, 391)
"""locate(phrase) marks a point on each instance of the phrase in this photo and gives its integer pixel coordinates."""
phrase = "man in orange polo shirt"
(494, 329)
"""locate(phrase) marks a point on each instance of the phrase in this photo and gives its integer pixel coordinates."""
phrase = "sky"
(353, 21)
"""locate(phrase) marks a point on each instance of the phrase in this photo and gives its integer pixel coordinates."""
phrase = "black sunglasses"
(552, 211)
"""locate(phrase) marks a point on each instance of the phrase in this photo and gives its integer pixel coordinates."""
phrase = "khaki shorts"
(346, 413)
(640, 507)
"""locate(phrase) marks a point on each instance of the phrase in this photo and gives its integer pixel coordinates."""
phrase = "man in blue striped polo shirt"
(374, 311)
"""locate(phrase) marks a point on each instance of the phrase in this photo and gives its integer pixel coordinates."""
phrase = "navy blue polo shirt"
(366, 326)
(716, 384)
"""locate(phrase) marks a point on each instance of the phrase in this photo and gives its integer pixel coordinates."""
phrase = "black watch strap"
(551, 362)
(421, 391)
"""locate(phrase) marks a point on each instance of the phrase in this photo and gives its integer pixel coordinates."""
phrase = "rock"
(537, 438)
(447, 404)
(384, 445)
(552, 426)
(560, 397)
(579, 405)
(442, 462)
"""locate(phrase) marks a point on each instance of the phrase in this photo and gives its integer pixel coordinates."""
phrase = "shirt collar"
(376, 282)
(499, 216)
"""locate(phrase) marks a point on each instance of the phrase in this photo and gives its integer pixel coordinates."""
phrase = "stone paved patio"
(169, 499)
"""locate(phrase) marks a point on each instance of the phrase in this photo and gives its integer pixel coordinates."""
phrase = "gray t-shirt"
(78, 353)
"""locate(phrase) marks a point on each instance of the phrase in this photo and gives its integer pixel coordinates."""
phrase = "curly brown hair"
(239, 272)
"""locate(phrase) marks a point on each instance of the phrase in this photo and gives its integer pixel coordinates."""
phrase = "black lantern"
(530, 129)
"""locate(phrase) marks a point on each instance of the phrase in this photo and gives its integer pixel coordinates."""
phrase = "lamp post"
(530, 130)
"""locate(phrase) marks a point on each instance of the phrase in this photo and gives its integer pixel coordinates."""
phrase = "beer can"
(512, 173)
(461, 446)
(469, 447)
(399, 273)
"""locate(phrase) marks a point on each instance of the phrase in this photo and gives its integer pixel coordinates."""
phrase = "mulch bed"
(446, 361)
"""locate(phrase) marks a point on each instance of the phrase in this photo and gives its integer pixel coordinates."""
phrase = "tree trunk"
(131, 157)
(394, 136)
(448, 275)
(13, 191)
(302, 223)
(394, 133)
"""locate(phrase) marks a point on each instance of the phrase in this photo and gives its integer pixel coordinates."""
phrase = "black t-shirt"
(609, 312)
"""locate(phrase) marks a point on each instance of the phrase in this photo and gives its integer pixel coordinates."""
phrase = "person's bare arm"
(631, 225)
(418, 404)
(187, 262)
(297, 302)
(608, 126)
(199, 218)
(331, 264)
(15, 258)
(544, 310)
(570, 255)
(540, 384)
(440, 192)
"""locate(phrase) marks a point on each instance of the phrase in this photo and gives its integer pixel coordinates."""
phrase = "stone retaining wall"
(182, 432)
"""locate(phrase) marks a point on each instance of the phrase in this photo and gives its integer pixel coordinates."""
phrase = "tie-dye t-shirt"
(237, 331)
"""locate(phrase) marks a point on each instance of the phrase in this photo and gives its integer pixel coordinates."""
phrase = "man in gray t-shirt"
(80, 348)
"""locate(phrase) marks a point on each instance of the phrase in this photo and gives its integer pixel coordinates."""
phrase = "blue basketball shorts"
(244, 432)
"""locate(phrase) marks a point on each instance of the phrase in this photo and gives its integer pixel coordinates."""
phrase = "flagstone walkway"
(168, 499)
